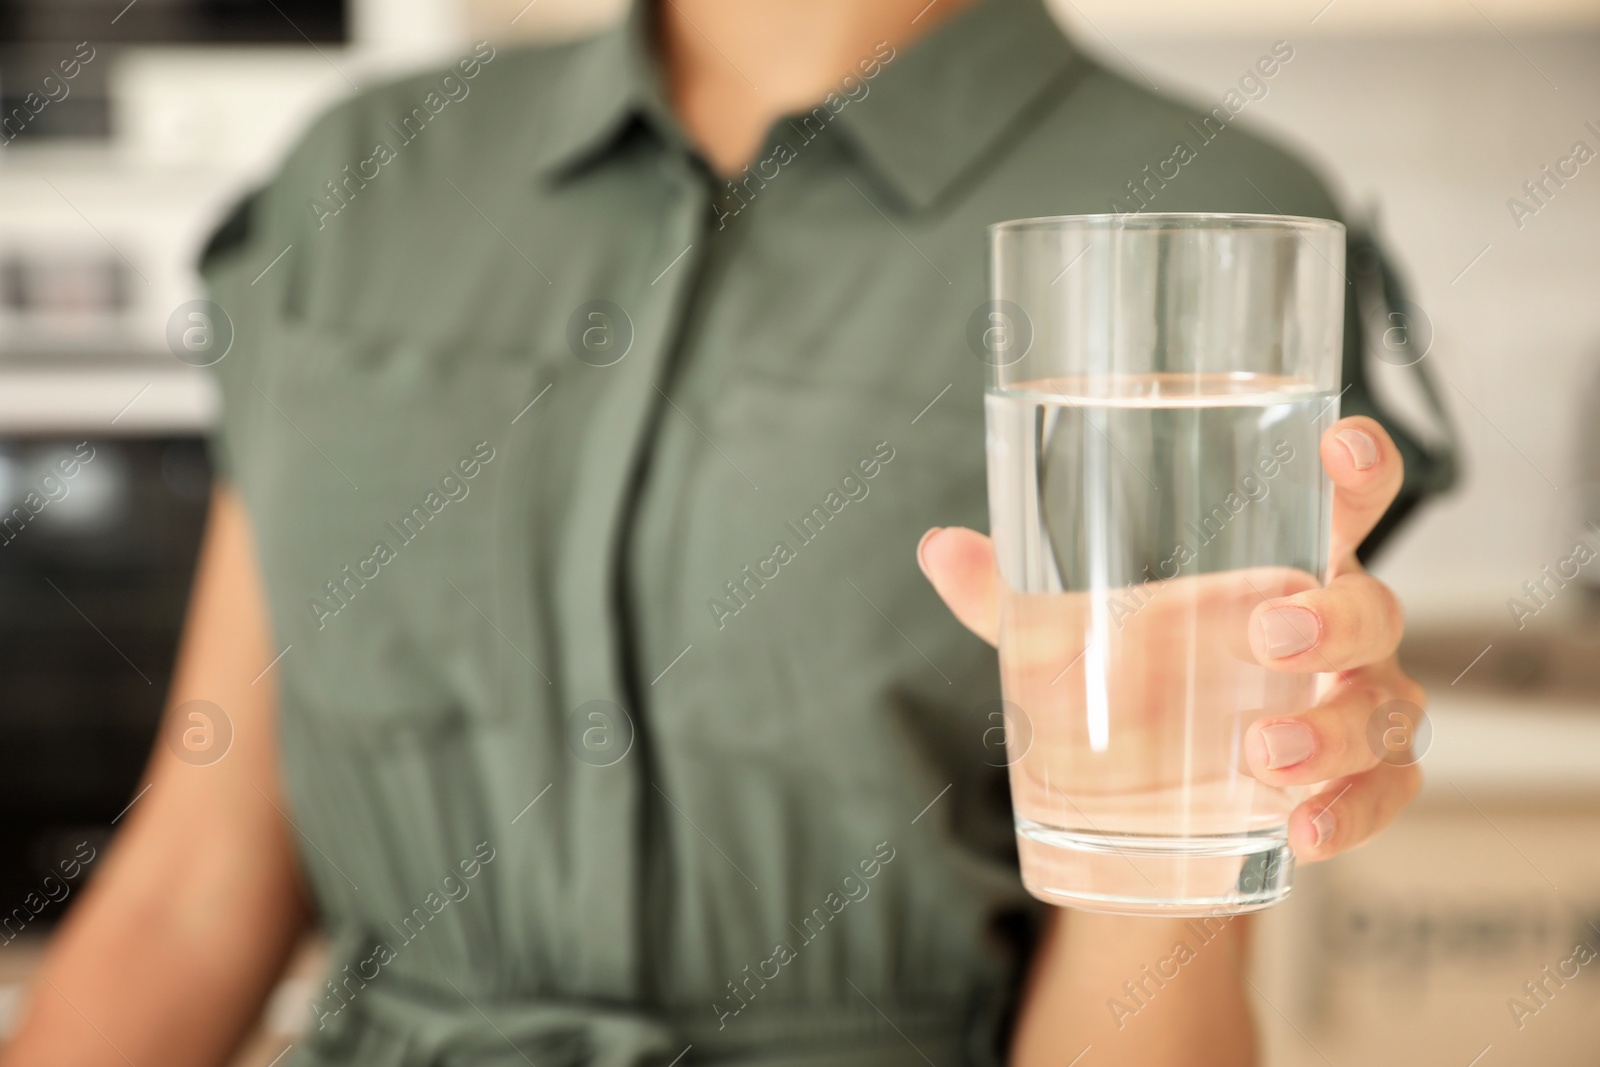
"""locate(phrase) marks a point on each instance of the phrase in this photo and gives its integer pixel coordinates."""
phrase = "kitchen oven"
(98, 538)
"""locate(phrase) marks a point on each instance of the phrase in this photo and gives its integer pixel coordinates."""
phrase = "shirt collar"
(951, 98)
(610, 80)
(931, 114)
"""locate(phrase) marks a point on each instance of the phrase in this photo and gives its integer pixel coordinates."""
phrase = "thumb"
(960, 565)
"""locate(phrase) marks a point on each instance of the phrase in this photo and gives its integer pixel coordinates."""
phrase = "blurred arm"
(1103, 981)
(190, 917)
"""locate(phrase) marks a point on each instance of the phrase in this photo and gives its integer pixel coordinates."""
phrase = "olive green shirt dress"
(618, 724)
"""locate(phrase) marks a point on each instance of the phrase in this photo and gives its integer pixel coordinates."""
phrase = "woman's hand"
(1270, 618)
(1349, 628)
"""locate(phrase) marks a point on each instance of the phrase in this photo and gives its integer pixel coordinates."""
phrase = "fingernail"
(1322, 823)
(1287, 743)
(1362, 448)
(1288, 631)
(922, 545)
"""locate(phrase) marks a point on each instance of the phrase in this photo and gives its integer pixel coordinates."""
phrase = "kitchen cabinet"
(1472, 926)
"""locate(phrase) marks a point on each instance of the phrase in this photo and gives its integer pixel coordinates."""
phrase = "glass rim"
(1155, 221)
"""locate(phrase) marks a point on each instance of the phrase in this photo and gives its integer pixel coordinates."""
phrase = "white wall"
(1436, 133)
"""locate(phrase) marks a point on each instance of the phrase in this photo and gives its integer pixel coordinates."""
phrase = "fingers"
(1351, 810)
(1366, 471)
(1324, 742)
(960, 564)
(1330, 740)
(1353, 621)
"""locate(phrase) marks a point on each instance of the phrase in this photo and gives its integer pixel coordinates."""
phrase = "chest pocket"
(388, 481)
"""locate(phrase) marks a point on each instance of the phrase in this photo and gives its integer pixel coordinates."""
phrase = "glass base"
(1149, 874)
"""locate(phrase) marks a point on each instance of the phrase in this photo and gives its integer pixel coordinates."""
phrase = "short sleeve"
(250, 266)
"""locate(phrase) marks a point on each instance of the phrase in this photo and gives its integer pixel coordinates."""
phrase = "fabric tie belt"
(408, 1026)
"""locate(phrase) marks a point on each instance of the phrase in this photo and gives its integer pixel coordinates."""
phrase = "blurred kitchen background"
(1430, 115)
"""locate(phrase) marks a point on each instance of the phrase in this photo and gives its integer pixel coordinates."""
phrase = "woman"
(584, 412)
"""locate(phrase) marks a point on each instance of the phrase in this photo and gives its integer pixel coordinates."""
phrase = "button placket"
(607, 798)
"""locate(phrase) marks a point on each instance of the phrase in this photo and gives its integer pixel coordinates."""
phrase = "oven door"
(98, 540)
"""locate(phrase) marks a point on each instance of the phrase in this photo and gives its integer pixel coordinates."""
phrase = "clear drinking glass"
(1159, 386)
